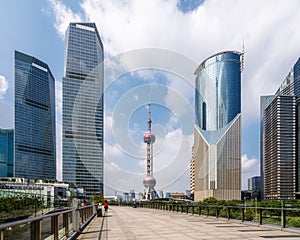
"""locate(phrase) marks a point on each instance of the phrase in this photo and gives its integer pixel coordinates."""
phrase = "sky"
(159, 43)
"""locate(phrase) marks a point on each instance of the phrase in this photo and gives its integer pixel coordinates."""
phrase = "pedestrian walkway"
(142, 223)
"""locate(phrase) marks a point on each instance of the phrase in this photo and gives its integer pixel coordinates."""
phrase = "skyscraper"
(6, 152)
(83, 108)
(280, 135)
(254, 183)
(35, 134)
(217, 131)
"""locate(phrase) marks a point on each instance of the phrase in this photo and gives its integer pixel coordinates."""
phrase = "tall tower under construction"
(149, 182)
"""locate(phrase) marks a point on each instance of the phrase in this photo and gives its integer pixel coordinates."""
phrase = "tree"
(98, 198)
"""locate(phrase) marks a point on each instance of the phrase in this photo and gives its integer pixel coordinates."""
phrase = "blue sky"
(193, 29)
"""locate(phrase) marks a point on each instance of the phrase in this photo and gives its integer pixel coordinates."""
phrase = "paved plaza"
(142, 223)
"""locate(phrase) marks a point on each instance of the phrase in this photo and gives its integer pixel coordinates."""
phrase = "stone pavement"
(142, 223)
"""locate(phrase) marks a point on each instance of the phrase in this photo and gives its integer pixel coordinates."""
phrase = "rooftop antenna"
(149, 118)
(243, 57)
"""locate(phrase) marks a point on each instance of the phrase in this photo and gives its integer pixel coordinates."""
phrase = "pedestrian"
(105, 205)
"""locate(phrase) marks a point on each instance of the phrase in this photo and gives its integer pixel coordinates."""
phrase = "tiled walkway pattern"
(141, 223)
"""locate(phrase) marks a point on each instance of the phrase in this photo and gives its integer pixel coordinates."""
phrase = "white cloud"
(63, 16)
(3, 86)
(250, 168)
(268, 28)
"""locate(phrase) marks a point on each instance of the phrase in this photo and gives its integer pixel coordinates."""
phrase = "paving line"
(104, 228)
(127, 233)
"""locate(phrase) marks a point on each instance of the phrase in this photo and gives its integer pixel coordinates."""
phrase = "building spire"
(149, 118)
(243, 57)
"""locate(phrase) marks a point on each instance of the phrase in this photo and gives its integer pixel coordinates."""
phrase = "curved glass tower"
(83, 108)
(217, 144)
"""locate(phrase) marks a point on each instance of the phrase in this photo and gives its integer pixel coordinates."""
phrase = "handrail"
(211, 210)
(24, 221)
(80, 216)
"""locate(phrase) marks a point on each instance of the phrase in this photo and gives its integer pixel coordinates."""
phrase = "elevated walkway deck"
(143, 223)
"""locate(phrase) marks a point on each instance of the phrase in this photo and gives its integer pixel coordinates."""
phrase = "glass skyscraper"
(254, 183)
(217, 131)
(83, 108)
(6, 152)
(280, 135)
(35, 133)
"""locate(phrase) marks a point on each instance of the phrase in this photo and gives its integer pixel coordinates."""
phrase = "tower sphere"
(149, 137)
(149, 182)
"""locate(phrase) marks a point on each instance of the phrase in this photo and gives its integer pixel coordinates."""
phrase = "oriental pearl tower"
(149, 182)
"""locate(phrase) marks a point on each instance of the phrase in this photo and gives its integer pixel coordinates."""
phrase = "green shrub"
(294, 222)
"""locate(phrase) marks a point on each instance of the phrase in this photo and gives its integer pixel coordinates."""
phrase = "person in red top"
(105, 205)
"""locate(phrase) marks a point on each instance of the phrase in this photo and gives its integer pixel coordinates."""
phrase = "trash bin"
(99, 212)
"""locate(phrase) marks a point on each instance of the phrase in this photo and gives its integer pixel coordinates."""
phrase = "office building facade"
(83, 108)
(254, 183)
(35, 132)
(6, 152)
(280, 139)
(217, 131)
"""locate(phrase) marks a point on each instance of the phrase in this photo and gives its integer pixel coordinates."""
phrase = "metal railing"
(60, 225)
(261, 215)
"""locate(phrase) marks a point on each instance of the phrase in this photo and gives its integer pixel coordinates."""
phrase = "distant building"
(140, 196)
(178, 195)
(254, 183)
(83, 82)
(246, 195)
(216, 155)
(254, 187)
(188, 193)
(51, 192)
(35, 131)
(112, 198)
(6, 152)
(126, 197)
(132, 194)
(280, 135)
(161, 193)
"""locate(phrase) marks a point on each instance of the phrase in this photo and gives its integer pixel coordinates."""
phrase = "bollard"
(200, 210)
(99, 212)
(228, 213)
(243, 214)
(207, 211)
(283, 218)
(260, 217)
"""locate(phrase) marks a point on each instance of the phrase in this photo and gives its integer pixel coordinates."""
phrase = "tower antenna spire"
(243, 57)
(149, 182)
(149, 118)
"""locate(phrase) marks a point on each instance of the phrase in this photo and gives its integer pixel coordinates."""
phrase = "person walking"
(105, 205)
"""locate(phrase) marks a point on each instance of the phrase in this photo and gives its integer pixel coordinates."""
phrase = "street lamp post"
(256, 208)
(34, 204)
